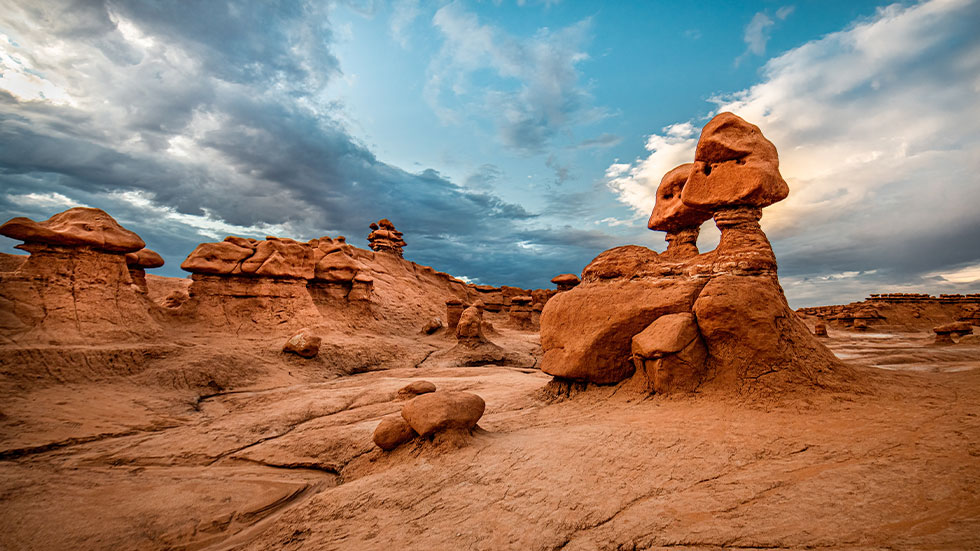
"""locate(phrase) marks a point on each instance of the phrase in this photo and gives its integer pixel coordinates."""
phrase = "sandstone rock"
(669, 212)
(304, 344)
(443, 410)
(416, 388)
(432, 326)
(970, 339)
(946, 332)
(519, 315)
(565, 281)
(734, 166)
(820, 329)
(470, 326)
(669, 355)
(385, 238)
(75, 227)
(587, 332)
(393, 431)
(176, 298)
(144, 258)
(11, 262)
(619, 262)
(217, 258)
(454, 309)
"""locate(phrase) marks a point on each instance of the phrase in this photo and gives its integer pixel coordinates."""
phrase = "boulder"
(431, 326)
(620, 262)
(669, 355)
(304, 344)
(820, 329)
(393, 431)
(443, 410)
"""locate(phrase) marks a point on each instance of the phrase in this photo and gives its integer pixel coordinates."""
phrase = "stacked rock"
(385, 238)
(946, 332)
(429, 413)
(685, 320)
(76, 284)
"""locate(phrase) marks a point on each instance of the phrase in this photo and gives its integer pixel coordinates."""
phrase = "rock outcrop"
(139, 262)
(565, 282)
(76, 285)
(305, 344)
(385, 238)
(684, 321)
(946, 332)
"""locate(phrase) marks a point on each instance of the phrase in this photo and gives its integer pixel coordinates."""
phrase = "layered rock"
(139, 262)
(385, 238)
(251, 284)
(684, 321)
(565, 282)
(520, 314)
(946, 332)
(76, 285)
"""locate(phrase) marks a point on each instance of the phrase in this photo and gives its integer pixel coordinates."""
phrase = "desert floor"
(201, 443)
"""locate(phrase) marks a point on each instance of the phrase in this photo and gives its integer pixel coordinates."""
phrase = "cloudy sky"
(509, 141)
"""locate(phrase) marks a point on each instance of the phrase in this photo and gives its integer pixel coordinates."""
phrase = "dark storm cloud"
(211, 110)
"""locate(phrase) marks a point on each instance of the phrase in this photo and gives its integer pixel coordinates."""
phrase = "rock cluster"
(946, 332)
(385, 238)
(682, 320)
(77, 285)
(429, 413)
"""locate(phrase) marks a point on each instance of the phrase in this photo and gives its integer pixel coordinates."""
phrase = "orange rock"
(734, 165)
(75, 227)
(393, 431)
(565, 281)
(443, 410)
(217, 258)
(144, 258)
(669, 212)
(619, 262)
(304, 344)
(416, 388)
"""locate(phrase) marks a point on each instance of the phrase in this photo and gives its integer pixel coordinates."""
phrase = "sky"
(509, 140)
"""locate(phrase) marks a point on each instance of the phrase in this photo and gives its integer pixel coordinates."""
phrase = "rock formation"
(820, 329)
(454, 309)
(139, 262)
(428, 414)
(564, 282)
(946, 332)
(519, 314)
(385, 238)
(682, 321)
(76, 285)
(416, 388)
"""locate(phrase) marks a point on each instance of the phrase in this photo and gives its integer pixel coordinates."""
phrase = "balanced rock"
(139, 262)
(565, 282)
(304, 344)
(443, 410)
(393, 431)
(946, 332)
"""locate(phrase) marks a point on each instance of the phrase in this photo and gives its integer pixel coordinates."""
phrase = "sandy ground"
(198, 444)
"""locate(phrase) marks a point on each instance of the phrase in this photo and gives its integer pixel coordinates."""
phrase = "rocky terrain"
(315, 395)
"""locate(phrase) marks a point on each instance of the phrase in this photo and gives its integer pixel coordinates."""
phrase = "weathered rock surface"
(415, 388)
(443, 410)
(565, 281)
(385, 238)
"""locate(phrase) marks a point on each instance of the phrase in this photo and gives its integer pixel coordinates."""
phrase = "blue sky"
(509, 141)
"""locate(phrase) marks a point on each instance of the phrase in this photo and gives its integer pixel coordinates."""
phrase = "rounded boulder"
(443, 410)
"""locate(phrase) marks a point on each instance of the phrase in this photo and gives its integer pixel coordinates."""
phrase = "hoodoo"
(684, 321)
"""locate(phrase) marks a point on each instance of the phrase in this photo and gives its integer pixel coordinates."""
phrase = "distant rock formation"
(139, 262)
(385, 238)
(946, 332)
(565, 282)
(683, 321)
(76, 285)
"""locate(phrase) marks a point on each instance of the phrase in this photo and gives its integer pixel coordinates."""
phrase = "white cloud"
(758, 30)
(403, 14)
(878, 132)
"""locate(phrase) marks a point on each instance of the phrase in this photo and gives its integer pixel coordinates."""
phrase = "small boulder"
(415, 388)
(432, 326)
(304, 344)
(443, 410)
(393, 431)
(820, 329)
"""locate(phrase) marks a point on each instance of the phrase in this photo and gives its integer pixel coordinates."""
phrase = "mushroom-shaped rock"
(820, 329)
(416, 388)
(144, 258)
(669, 212)
(669, 355)
(565, 282)
(385, 238)
(304, 344)
(222, 258)
(443, 410)
(734, 165)
(75, 227)
(393, 431)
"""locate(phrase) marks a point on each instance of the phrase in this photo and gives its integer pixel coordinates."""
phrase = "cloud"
(563, 172)
(188, 122)
(758, 30)
(404, 13)
(535, 91)
(601, 141)
(878, 131)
